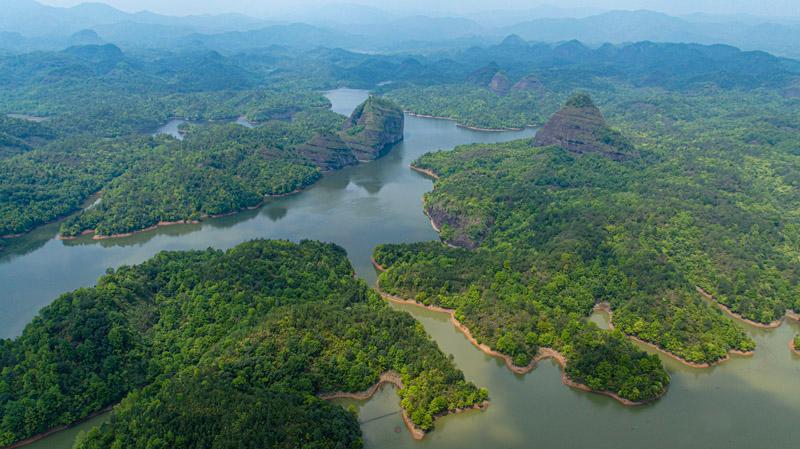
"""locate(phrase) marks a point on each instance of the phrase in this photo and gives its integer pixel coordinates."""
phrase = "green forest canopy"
(199, 345)
(709, 203)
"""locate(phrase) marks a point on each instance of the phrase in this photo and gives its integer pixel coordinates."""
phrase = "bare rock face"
(373, 128)
(529, 83)
(500, 84)
(580, 128)
(455, 228)
(484, 75)
(328, 152)
(368, 134)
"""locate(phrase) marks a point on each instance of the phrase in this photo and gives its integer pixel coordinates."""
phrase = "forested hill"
(561, 229)
(204, 345)
(221, 169)
(99, 101)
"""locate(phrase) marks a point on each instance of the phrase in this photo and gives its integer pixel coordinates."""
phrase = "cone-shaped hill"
(529, 83)
(579, 127)
(500, 84)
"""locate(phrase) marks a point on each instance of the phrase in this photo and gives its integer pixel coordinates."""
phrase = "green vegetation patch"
(202, 345)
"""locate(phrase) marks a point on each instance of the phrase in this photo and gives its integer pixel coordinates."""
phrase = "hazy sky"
(266, 8)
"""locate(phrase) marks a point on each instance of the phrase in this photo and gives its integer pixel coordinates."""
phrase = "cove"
(172, 127)
(743, 403)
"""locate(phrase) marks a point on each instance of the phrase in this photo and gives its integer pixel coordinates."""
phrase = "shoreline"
(542, 354)
(461, 125)
(794, 348)
(773, 325)
(84, 205)
(424, 171)
(163, 224)
(392, 377)
(606, 308)
(54, 430)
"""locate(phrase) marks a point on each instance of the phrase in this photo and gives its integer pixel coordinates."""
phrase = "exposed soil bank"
(739, 317)
(606, 307)
(87, 203)
(54, 430)
(424, 171)
(162, 224)
(461, 125)
(392, 377)
(544, 353)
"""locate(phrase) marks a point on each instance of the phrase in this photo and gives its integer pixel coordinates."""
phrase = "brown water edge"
(162, 224)
(544, 353)
(424, 171)
(461, 125)
(732, 314)
(47, 433)
(86, 203)
(392, 377)
(605, 307)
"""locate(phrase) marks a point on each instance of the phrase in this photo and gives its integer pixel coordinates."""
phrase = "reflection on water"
(66, 438)
(743, 403)
(358, 208)
(172, 128)
(30, 118)
(244, 122)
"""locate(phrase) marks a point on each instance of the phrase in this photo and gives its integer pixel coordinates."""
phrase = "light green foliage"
(477, 106)
(203, 343)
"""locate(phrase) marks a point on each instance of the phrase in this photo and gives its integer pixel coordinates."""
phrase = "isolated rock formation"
(580, 128)
(328, 151)
(500, 84)
(368, 134)
(373, 128)
(529, 83)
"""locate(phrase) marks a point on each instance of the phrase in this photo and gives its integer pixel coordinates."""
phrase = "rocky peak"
(369, 133)
(484, 75)
(373, 128)
(579, 127)
(529, 83)
(500, 84)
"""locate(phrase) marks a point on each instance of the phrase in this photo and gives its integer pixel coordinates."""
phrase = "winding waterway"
(744, 403)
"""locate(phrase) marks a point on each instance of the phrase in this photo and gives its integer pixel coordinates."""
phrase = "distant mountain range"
(27, 25)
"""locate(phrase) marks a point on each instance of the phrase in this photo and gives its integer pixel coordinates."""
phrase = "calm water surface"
(744, 403)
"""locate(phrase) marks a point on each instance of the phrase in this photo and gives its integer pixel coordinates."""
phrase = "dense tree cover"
(477, 106)
(226, 168)
(19, 135)
(216, 170)
(99, 100)
(115, 113)
(709, 203)
(204, 344)
(44, 184)
(514, 308)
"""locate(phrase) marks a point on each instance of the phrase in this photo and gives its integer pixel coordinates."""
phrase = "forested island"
(222, 349)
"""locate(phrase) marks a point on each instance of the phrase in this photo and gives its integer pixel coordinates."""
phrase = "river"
(744, 403)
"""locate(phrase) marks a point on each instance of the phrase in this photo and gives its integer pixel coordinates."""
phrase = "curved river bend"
(743, 403)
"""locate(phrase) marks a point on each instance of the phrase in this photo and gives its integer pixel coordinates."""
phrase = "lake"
(743, 403)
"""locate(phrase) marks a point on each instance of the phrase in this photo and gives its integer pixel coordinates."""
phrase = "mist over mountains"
(27, 25)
